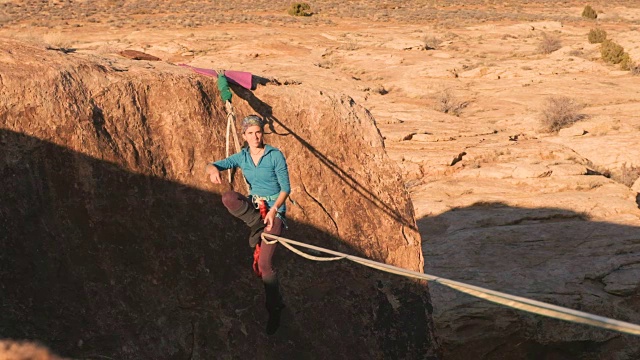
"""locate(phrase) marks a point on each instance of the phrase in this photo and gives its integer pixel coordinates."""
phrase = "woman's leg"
(266, 253)
(240, 207)
(274, 302)
(233, 201)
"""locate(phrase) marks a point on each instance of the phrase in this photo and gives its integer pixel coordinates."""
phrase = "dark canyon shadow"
(99, 262)
(548, 254)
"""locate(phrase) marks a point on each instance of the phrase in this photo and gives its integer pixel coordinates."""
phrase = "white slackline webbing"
(516, 302)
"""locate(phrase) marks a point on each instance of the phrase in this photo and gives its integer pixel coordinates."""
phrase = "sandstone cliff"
(115, 245)
(533, 218)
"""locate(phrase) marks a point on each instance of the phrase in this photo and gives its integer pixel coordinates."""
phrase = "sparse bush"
(626, 62)
(299, 9)
(628, 174)
(450, 36)
(326, 63)
(597, 35)
(548, 44)
(5, 19)
(379, 89)
(431, 42)
(589, 13)
(560, 112)
(611, 52)
(351, 45)
(57, 41)
(576, 53)
(595, 169)
(448, 103)
(635, 69)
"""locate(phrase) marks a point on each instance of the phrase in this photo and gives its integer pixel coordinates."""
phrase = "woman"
(265, 169)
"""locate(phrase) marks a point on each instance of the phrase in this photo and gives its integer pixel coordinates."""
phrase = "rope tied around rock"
(231, 129)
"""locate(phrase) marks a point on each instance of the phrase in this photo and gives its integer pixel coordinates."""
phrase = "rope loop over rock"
(231, 129)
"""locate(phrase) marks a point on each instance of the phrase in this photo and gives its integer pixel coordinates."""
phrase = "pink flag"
(241, 78)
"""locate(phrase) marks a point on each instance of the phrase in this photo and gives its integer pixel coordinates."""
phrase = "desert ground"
(459, 92)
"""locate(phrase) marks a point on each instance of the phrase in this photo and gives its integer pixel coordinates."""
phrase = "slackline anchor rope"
(231, 128)
(512, 301)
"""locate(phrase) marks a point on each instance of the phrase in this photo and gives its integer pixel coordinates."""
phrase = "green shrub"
(589, 13)
(611, 52)
(299, 9)
(597, 35)
(560, 112)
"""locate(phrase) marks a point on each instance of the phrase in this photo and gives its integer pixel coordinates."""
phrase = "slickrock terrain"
(458, 91)
(115, 244)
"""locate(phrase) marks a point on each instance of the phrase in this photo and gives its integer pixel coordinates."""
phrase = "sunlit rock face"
(115, 244)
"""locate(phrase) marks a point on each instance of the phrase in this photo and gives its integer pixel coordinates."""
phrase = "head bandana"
(251, 120)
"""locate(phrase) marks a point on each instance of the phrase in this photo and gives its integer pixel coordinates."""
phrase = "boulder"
(138, 55)
(546, 253)
(569, 239)
(112, 236)
(606, 151)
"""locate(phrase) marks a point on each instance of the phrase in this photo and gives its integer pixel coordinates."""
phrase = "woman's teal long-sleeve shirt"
(268, 178)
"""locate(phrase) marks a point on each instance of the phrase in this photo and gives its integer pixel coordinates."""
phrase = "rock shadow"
(100, 262)
(547, 254)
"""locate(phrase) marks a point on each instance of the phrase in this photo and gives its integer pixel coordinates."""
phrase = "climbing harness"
(516, 302)
(256, 200)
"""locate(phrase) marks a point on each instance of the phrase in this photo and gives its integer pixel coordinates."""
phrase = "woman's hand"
(270, 219)
(214, 174)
